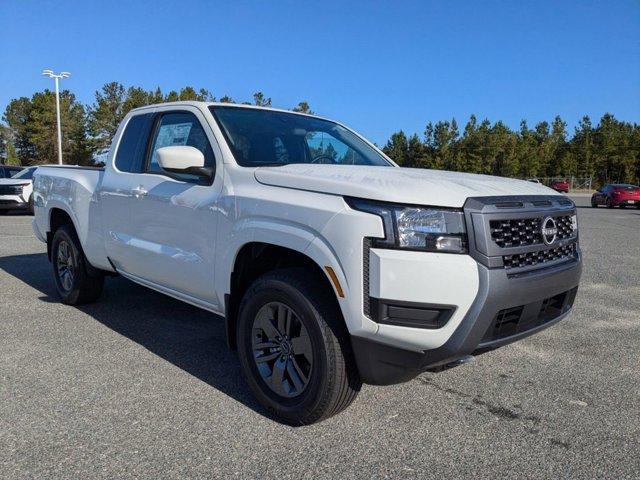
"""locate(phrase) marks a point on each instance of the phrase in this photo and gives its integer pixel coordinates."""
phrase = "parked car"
(560, 186)
(8, 171)
(16, 193)
(617, 195)
(331, 265)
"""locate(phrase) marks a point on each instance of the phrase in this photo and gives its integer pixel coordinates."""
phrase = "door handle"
(139, 191)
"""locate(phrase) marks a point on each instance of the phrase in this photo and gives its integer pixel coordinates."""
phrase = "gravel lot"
(141, 385)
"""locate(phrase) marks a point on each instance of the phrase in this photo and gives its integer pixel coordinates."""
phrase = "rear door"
(120, 180)
(172, 229)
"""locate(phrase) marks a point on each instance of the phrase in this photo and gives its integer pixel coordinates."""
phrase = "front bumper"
(504, 310)
(626, 202)
(12, 202)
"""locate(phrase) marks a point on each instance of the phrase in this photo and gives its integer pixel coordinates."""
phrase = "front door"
(173, 217)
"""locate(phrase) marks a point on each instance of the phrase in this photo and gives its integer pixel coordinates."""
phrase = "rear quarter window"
(133, 144)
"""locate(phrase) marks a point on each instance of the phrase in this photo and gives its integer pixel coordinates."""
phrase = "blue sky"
(377, 66)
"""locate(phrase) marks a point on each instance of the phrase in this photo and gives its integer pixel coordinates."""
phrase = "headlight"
(417, 228)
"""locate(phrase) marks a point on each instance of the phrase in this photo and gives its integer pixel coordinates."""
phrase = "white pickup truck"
(331, 265)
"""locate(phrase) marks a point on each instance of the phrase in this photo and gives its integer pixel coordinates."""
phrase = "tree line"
(608, 151)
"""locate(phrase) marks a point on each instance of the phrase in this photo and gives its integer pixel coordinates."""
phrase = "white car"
(16, 193)
(331, 265)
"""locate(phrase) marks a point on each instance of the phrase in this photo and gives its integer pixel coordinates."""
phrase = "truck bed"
(71, 189)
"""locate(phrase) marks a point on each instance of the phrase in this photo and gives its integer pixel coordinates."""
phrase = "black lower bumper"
(505, 310)
(13, 205)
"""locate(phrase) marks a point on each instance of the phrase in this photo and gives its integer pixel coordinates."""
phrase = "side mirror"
(184, 159)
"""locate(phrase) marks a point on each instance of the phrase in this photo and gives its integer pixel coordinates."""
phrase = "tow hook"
(460, 361)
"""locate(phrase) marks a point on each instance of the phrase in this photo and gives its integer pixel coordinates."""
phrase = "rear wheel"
(74, 284)
(294, 348)
(31, 210)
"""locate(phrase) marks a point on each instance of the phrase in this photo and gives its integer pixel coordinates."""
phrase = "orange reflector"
(334, 279)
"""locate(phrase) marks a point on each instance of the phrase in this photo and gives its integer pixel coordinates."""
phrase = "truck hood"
(396, 184)
(14, 181)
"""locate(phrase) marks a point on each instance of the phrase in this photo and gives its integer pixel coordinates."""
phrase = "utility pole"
(56, 78)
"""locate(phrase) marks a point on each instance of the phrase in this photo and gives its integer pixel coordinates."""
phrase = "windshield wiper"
(273, 164)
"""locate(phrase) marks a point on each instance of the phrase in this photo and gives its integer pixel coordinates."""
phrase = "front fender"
(281, 233)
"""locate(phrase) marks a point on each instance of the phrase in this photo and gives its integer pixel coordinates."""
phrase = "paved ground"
(141, 385)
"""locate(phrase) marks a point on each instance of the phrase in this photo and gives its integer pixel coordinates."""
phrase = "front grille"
(515, 320)
(507, 232)
(516, 233)
(10, 189)
(526, 231)
(539, 257)
(564, 226)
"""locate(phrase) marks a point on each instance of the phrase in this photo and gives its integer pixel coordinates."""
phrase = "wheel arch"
(256, 258)
(56, 217)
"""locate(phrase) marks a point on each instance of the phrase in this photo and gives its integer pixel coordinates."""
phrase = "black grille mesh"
(526, 231)
(539, 257)
(10, 190)
(563, 224)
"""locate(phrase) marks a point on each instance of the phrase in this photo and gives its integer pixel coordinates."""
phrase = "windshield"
(266, 138)
(26, 174)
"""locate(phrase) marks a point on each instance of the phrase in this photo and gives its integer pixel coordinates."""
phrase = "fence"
(575, 183)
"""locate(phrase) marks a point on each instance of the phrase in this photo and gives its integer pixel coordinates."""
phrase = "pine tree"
(33, 126)
(303, 107)
(260, 100)
(105, 114)
(397, 148)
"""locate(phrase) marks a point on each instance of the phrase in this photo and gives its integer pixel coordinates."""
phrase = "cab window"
(131, 149)
(177, 129)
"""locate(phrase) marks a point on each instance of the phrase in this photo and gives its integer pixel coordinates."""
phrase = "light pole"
(57, 77)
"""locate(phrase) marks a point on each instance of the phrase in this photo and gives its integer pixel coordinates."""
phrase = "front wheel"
(294, 347)
(74, 284)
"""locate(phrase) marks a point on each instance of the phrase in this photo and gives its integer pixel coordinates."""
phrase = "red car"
(617, 195)
(560, 186)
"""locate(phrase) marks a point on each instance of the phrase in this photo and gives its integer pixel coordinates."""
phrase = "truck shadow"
(188, 337)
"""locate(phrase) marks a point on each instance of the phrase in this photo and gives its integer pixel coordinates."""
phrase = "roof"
(204, 105)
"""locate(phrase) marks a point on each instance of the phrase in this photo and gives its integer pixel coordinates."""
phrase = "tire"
(594, 204)
(31, 209)
(4, 212)
(609, 204)
(316, 348)
(74, 284)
